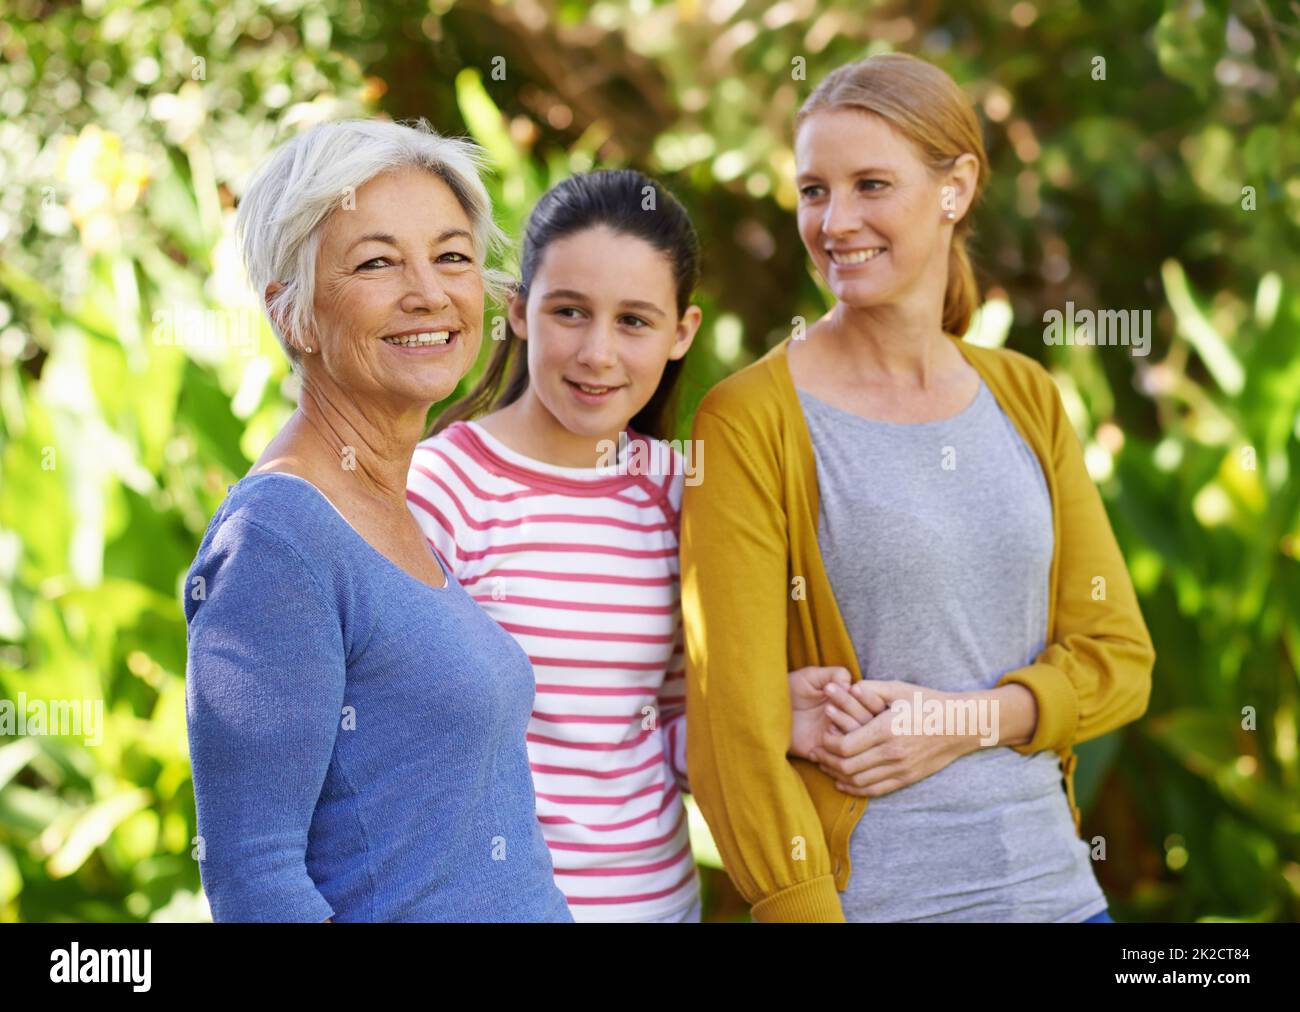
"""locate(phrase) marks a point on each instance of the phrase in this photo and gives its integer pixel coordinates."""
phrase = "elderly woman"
(884, 497)
(356, 723)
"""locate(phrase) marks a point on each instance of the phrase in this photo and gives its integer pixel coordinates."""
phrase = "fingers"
(869, 697)
(820, 677)
(848, 702)
(843, 767)
(858, 748)
(841, 719)
(871, 783)
(805, 692)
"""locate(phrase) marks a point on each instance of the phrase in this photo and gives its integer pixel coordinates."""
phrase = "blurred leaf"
(1189, 41)
(88, 829)
(13, 757)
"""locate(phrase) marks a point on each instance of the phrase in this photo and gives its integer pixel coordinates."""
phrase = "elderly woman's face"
(399, 291)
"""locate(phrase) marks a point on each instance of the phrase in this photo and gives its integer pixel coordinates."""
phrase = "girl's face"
(600, 321)
(871, 213)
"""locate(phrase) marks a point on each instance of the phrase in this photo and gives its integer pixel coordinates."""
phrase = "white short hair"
(306, 178)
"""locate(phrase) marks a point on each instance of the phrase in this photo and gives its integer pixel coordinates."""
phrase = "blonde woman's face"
(871, 213)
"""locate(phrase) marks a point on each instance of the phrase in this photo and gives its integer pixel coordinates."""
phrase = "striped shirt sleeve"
(436, 507)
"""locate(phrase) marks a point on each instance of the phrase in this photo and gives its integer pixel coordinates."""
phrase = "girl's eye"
(565, 310)
(874, 185)
(637, 322)
(809, 191)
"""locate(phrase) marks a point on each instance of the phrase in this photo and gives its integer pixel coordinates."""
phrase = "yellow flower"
(102, 182)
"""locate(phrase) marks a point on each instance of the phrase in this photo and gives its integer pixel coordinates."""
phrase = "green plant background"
(127, 131)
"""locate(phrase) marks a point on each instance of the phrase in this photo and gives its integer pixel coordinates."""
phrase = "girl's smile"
(593, 393)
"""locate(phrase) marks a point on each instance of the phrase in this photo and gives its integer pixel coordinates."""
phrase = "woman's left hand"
(869, 759)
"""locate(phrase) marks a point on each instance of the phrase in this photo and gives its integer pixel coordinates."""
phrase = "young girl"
(557, 510)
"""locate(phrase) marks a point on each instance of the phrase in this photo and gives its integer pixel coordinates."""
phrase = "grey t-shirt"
(937, 539)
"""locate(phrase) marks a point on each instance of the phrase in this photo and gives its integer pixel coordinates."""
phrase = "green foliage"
(138, 378)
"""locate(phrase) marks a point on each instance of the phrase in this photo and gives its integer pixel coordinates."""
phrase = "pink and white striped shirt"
(580, 566)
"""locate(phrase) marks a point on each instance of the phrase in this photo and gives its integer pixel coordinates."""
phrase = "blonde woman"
(883, 497)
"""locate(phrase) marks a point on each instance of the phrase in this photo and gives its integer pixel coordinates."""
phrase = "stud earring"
(307, 349)
(952, 216)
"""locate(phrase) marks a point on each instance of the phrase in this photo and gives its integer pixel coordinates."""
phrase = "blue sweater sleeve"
(264, 693)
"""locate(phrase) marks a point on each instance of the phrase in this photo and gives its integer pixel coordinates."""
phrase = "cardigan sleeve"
(1095, 674)
(735, 587)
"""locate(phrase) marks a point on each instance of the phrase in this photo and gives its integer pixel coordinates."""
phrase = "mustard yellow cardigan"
(749, 532)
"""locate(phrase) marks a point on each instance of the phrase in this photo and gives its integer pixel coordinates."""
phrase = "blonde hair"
(927, 107)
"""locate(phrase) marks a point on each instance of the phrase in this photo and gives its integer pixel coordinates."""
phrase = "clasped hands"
(846, 727)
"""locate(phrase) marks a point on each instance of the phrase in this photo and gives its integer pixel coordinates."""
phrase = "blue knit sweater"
(357, 737)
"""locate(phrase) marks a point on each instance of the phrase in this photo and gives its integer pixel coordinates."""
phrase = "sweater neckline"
(389, 563)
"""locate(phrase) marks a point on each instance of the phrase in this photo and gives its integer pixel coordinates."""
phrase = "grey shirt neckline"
(970, 413)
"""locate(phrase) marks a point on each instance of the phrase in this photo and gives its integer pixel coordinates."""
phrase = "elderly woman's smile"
(421, 339)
